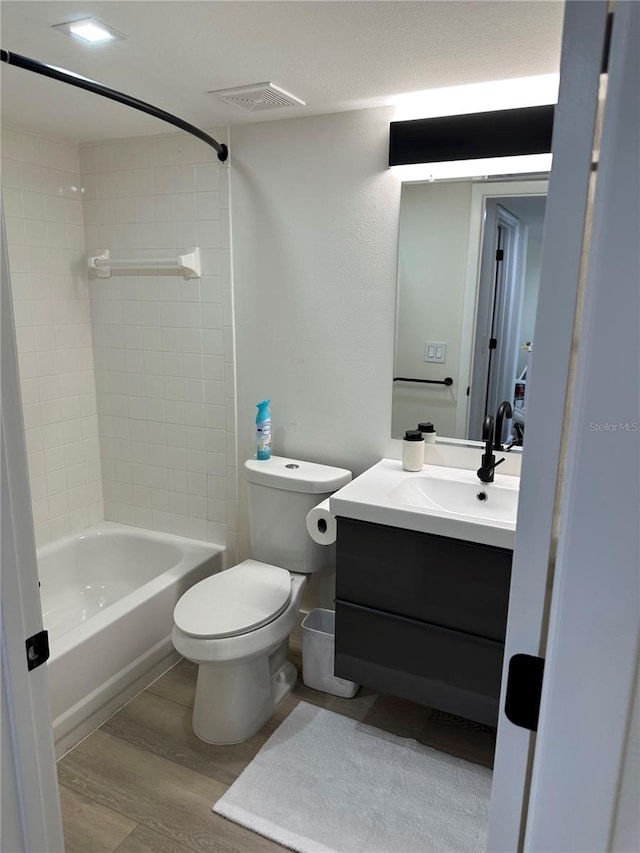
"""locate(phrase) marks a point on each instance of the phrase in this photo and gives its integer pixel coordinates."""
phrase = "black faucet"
(504, 411)
(488, 464)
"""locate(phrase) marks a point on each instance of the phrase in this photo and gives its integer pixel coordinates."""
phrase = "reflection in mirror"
(469, 257)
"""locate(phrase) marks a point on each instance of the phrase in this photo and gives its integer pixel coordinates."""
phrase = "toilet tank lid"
(295, 475)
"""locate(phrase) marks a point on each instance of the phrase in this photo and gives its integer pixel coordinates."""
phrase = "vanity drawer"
(455, 584)
(445, 669)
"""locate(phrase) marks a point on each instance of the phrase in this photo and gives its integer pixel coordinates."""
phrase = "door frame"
(480, 192)
(30, 770)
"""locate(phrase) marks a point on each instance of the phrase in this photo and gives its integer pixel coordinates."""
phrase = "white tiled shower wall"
(43, 208)
(164, 353)
(164, 380)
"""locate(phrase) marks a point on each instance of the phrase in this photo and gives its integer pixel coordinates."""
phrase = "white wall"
(432, 268)
(164, 345)
(43, 207)
(315, 230)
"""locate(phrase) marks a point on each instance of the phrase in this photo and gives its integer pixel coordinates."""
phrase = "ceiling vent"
(258, 96)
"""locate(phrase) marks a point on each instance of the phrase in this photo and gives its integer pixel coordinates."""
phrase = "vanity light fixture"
(536, 164)
(90, 31)
(495, 142)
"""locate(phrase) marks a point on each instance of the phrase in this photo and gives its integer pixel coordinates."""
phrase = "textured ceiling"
(335, 55)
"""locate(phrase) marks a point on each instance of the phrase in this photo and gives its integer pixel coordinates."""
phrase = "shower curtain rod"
(99, 89)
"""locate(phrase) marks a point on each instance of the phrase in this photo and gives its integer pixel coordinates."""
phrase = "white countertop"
(384, 495)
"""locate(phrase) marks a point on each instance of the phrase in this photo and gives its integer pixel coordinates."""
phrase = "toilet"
(235, 624)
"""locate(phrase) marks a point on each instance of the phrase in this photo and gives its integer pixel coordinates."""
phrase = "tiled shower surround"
(163, 345)
(43, 209)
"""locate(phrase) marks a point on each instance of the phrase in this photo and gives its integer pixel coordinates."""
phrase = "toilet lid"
(234, 601)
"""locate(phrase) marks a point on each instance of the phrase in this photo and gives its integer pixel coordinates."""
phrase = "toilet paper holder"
(321, 524)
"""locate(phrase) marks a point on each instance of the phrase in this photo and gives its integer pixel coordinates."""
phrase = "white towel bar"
(189, 263)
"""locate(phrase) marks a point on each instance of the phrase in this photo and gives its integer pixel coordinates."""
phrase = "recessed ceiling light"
(90, 30)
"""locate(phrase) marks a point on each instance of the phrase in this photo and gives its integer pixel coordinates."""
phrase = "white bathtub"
(108, 595)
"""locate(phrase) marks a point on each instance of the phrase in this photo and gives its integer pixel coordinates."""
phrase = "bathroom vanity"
(421, 610)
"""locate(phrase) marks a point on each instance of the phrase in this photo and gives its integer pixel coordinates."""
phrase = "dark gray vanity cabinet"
(422, 616)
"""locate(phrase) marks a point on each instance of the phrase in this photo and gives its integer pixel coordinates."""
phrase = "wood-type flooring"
(144, 783)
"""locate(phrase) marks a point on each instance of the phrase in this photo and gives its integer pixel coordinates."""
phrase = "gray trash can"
(318, 643)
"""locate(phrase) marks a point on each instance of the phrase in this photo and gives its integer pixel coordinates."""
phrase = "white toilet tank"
(281, 493)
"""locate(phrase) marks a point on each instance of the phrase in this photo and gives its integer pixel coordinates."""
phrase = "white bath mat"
(324, 783)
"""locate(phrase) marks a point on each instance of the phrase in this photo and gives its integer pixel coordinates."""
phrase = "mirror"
(469, 256)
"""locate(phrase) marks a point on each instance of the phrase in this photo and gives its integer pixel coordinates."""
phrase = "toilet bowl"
(235, 625)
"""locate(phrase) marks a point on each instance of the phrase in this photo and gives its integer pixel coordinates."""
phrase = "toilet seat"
(234, 601)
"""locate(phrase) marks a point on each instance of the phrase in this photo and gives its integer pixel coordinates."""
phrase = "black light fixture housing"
(500, 133)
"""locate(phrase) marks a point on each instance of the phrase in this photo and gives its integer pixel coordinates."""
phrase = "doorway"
(508, 282)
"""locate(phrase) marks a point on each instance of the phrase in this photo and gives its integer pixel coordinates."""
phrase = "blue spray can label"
(263, 430)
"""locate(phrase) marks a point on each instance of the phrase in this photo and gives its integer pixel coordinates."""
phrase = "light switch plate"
(435, 351)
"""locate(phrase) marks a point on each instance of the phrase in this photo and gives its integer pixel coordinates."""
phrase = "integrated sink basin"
(457, 492)
(448, 502)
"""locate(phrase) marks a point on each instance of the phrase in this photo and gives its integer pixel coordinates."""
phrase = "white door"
(578, 801)
(551, 473)
(508, 299)
(547, 387)
(499, 296)
(30, 805)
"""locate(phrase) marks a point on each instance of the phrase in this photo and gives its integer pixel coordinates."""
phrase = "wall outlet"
(435, 351)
